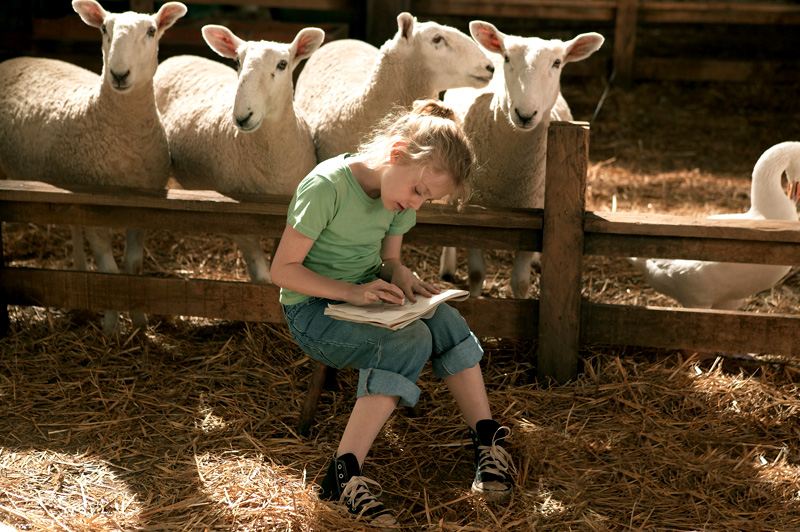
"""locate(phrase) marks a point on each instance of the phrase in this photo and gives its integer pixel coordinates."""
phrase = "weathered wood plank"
(112, 196)
(604, 10)
(216, 299)
(679, 328)
(724, 250)
(501, 318)
(625, 38)
(268, 225)
(477, 237)
(599, 10)
(325, 5)
(207, 211)
(681, 226)
(699, 69)
(664, 236)
(719, 13)
(562, 252)
(35, 192)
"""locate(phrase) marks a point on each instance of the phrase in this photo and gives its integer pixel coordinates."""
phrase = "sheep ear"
(583, 46)
(405, 25)
(168, 14)
(489, 37)
(306, 43)
(221, 40)
(90, 11)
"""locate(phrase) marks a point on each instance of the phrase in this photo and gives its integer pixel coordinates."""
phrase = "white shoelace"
(357, 491)
(494, 459)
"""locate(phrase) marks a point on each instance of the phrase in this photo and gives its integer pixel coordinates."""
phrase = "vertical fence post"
(562, 250)
(625, 39)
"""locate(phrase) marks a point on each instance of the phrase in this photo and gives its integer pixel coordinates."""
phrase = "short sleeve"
(313, 206)
(403, 222)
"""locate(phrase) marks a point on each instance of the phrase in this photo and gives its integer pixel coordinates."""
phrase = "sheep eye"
(151, 32)
(282, 65)
(437, 39)
(557, 63)
(103, 29)
(237, 64)
(507, 59)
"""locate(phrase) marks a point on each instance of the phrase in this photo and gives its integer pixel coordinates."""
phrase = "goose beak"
(794, 191)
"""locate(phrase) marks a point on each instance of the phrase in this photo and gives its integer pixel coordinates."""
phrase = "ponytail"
(430, 134)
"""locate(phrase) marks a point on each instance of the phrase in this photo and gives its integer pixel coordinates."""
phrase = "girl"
(342, 243)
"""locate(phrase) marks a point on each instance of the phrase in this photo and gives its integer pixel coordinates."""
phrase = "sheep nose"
(490, 68)
(242, 121)
(120, 78)
(524, 119)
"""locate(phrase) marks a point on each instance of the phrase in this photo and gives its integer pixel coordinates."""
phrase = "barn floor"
(190, 425)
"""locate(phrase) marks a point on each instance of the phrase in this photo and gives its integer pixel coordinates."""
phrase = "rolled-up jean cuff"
(462, 356)
(373, 381)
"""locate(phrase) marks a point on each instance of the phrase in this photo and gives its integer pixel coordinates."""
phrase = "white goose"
(727, 285)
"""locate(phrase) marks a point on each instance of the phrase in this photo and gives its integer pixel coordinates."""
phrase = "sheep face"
(450, 57)
(531, 70)
(264, 90)
(130, 41)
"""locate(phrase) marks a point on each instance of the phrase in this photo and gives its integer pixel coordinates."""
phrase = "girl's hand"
(380, 290)
(410, 284)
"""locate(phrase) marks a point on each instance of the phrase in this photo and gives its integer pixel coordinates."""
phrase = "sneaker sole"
(492, 495)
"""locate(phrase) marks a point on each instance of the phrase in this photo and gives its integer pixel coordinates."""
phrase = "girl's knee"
(416, 336)
(407, 350)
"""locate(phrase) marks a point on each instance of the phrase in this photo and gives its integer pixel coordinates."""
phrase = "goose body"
(727, 285)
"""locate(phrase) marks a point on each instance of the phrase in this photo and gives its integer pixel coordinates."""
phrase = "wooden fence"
(564, 232)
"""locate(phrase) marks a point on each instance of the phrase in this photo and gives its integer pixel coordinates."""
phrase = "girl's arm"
(392, 270)
(288, 272)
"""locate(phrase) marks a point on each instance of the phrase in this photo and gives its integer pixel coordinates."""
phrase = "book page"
(390, 315)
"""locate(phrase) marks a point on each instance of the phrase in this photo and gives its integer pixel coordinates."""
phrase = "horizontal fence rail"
(561, 320)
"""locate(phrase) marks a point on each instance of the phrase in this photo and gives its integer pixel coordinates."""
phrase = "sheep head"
(130, 41)
(532, 69)
(264, 90)
(448, 56)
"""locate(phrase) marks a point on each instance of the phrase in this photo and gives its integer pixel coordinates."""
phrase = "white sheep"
(349, 85)
(238, 133)
(63, 124)
(507, 124)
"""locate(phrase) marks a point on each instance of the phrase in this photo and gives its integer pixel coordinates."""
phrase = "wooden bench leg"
(318, 381)
(414, 411)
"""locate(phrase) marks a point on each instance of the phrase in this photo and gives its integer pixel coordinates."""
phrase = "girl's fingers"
(429, 289)
(391, 296)
(371, 297)
(410, 295)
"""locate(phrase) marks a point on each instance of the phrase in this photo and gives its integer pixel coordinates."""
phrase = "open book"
(393, 316)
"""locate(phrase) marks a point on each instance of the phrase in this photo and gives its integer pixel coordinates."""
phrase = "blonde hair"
(428, 135)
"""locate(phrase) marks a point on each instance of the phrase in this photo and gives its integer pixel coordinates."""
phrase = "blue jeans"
(389, 361)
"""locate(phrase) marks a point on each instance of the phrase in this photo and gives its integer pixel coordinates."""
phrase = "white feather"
(727, 285)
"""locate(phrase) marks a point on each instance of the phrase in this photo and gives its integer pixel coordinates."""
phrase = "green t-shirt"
(347, 226)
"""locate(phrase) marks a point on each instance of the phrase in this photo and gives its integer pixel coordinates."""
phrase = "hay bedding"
(190, 426)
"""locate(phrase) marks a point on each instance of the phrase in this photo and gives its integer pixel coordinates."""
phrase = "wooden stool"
(325, 377)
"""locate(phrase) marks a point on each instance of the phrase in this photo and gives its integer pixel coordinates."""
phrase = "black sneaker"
(492, 463)
(343, 483)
